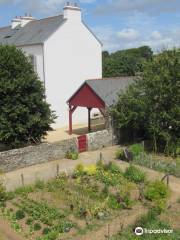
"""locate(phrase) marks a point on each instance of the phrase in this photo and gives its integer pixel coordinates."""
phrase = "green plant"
(90, 170)
(136, 149)
(113, 168)
(147, 107)
(72, 154)
(132, 173)
(39, 184)
(113, 203)
(40, 211)
(156, 190)
(17, 228)
(23, 191)
(20, 214)
(37, 226)
(63, 226)
(108, 178)
(100, 165)
(128, 203)
(25, 116)
(46, 231)
(52, 235)
(149, 221)
(3, 195)
(29, 221)
(120, 154)
(79, 170)
(10, 195)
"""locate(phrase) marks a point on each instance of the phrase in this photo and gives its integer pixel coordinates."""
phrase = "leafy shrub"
(90, 170)
(24, 120)
(40, 184)
(3, 195)
(73, 155)
(156, 190)
(79, 170)
(46, 231)
(113, 203)
(52, 235)
(128, 203)
(37, 226)
(29, 221)
(20, 214)
(136, 149)
(64, 226)
(120, 154)
(10, 195)
(158, 193)
(160, 205)
(113, 168)
(134, 174)
(100, 165)
(23, 191)
(108, 178)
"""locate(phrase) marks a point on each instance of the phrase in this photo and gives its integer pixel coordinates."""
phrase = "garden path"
(6, 232)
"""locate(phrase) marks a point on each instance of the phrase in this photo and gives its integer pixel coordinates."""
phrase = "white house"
(64, 52)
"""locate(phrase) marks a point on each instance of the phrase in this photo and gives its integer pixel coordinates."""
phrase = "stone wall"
(23, 157)
(98, 140)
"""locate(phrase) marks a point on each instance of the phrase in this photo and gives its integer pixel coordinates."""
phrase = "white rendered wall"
(37, 51)
(72, 55)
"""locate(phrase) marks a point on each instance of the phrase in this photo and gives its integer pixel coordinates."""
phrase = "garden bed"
(73, 207)
(158, 162)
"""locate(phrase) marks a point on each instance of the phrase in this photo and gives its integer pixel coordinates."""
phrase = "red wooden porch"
(86, 97)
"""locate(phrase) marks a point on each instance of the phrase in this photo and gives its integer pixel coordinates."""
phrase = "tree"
(25, 117)
(125, 62)
(152, 103)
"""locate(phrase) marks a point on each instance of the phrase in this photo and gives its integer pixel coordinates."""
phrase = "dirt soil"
(6, 232)
(89, 158)
(125, 218)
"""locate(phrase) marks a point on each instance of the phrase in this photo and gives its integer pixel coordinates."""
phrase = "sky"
(119, 24)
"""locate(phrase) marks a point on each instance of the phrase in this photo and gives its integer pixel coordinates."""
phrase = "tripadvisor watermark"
(140, 231)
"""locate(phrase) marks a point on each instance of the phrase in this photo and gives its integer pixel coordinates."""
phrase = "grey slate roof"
(108, 89)
(35, 32)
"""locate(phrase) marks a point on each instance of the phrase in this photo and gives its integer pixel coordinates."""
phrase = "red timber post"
(89, 120)
(71, 110)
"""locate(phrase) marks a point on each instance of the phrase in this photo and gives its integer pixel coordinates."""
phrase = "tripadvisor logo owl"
(139, 231)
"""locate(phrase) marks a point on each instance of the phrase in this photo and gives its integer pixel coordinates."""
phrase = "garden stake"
(168, 179)
(100, 156)
(57, 169)
(22, 179)
(108, 231)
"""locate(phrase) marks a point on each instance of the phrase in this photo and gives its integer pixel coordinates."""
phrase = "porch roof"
(100, 92)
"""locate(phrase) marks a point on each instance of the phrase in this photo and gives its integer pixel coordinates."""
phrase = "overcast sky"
(120, 24)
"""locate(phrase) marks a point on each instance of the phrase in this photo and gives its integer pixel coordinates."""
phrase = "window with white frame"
(33, 61)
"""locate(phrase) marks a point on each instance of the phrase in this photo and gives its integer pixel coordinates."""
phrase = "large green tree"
(25, 117)
(125, 62)
(152, 104)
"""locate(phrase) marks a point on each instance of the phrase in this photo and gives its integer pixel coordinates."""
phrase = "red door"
(82, 143)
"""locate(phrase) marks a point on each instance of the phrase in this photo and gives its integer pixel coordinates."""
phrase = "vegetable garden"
(69, 207)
